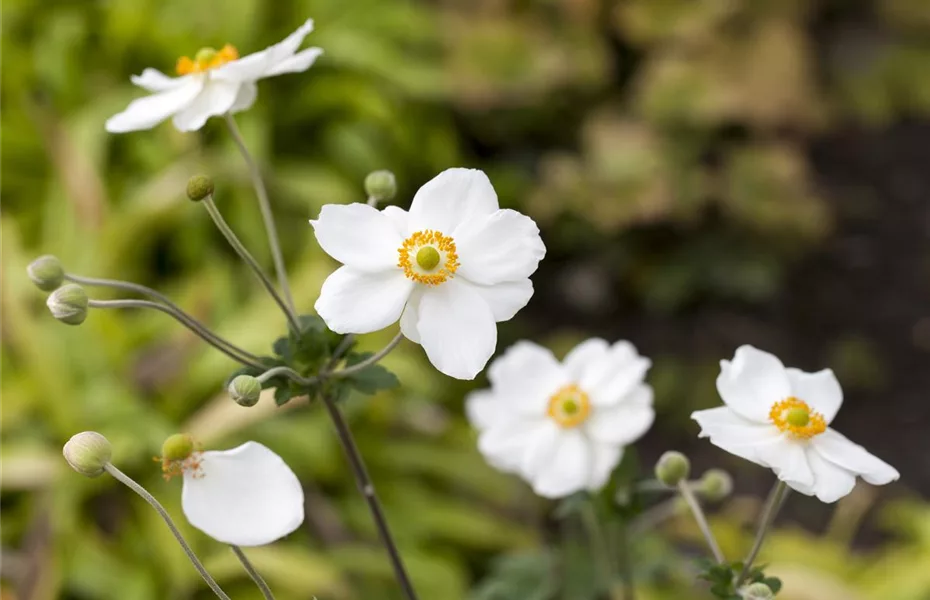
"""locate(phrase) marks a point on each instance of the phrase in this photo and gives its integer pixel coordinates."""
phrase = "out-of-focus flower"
(779, 418)
(448, 270)
(213, 83)
(562, 426)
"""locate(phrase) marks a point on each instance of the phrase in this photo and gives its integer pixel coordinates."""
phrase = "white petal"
(624, 423)
(604, 459)
(482, 408)
(613, 375)
(741, 437)
(789, 461)
(752, 383)
(820, 390)
(450, 198)
(457, 329)
(301, 61)
(830, 481)
(359, 236)
(246, 496)
(569, 469)
(505, 299)
(216, 98)
(527, 375)
(357, 302)
(501, 246)
(259, 64)
(841, 451)
(505, 444)
(580, 358)
(147, 112)
(153, 80)
(248, 92)
(399, 218)
(410, 316)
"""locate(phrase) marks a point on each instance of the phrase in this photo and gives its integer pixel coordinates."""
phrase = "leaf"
(371, 379)
(524, 576)
(774, 584)
(570, 505)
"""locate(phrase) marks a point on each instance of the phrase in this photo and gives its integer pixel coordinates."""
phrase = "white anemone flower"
(448, 270)
(779, 418)
(562, 426)
(246, 496)
(213, 83)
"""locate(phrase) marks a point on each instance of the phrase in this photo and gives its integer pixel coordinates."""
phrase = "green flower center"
(798, 417)
(205, 55)
(428, 258)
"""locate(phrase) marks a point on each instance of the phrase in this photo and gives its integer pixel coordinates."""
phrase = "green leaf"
(371, 379)
(570, 505)
(774, 584)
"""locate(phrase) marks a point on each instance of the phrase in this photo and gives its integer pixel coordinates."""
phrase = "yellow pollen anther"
(569, 407)
(428, 257)
(794, 417)
(206, 59)
(180, 454)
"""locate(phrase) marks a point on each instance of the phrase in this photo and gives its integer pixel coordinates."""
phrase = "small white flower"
(246, 496)
(779, 418)
(562, 426)
(213, 83)
(448, 270)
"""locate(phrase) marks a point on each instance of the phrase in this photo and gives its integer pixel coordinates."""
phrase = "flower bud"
(380, 185)
(87, 453)
(715, 485)
(757, 591)
(46, 272)
(199, 187)
(177, 447)
(245, 390)
(68, 304)
(672, 468)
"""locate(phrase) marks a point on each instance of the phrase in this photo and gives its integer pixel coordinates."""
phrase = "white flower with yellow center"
(562, 426)
(448, 270)
(779, 418)
(213, 83)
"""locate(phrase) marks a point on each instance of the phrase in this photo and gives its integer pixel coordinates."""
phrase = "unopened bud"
(87, 453)
(68, 304)
(177, 447)
(46, 272)
(245, 390)
(715, 485)
(199, 187)
(380, 185)
(757, 591)
(672, 468)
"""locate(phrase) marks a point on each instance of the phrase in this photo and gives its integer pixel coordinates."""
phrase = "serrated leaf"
(371, 379)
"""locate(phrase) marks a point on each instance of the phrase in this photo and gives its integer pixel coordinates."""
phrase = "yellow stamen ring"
(428, 257)
(569, 407)
(206, 59)
(794, 417)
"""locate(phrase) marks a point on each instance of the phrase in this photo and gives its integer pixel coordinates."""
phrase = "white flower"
(779, 418)
(450, 269)
(246, 496)
(562, 426)
(213, 83)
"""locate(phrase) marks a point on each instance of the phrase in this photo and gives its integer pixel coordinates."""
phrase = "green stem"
(772, 505)
(625, 560)
(688, 494)
(128, 482)
(248, 258)
(287, 372)
(253, 573)
(370, 360)
(267, 217)
(600, 550)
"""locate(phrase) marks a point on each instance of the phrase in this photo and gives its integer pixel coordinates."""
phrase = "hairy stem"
(772, 505)
(688, 494)
(253, 573)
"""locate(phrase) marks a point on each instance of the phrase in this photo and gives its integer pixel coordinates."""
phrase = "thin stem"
(625, 559)
(655, 515)
(248, 258)
(128, 482)
(287, 372)
(253, 573)
(600, 549)
(131, 303)
(267, 217)
(688, 494)
(772, 505)
(371, 359)
(368, 491)
(176, 311)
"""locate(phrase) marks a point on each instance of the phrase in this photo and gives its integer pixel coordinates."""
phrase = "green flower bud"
(177, 447)
(672, 468)
(715, 485)
(68, 304)
(46, 272)
(199, 187)
(245, 390)
(757, 591)
(381, 185)
(87, 453)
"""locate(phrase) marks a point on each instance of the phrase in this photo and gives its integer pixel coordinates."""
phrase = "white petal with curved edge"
(301, 61)
(608, 379)
(216, 98)
(789, 461)
(752, 383)
(580, 358)
(527, 375)
(820, 390)
(482, 407)
(569, 468)
(831, 482)
(502, 246)
(450, 198)
(399, 218)
(245, 496)
(505, 299)
(741, 437)
(604, 459)
(410, 316)
(624, 423)
(153, 80)
(358, 302)
(147, 112)
(841, 451)
(505, 443)
(248, 92)
(457, 329)
(258, 64)
(359, 236)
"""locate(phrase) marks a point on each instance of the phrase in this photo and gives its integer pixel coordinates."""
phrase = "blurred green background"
(706, 173)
